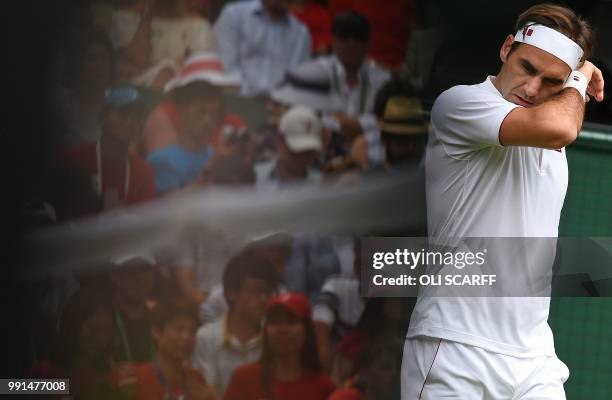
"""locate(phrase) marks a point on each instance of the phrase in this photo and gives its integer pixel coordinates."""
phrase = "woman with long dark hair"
(289, 368)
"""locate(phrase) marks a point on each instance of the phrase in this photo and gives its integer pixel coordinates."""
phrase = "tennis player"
(496, 167)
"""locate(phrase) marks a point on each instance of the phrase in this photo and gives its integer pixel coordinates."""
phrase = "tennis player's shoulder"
(464, 97)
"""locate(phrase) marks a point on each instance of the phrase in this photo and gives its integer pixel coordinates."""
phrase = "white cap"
(302, 129)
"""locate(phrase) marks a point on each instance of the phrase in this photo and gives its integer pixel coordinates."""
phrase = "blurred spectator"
(430, 32)
(289, 367)
(170, 375)
(132, 278)
(274, 249)
(228, 169)
(369, 357)
(391, 26)
(180, 164)
(298, 145)
(86, 332)
(88, 69)
(258, 41)
(235, 339)
(354, 81)
(402, 124)
(163, 125)
(153, 37)
(337, 309)
(317, 19)
(117, 175)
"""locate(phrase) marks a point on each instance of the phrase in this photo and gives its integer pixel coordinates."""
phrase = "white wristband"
(577, 80)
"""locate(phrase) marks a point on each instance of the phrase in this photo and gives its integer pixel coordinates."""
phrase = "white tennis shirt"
(478, 188)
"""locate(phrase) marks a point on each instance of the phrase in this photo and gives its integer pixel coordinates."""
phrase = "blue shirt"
(256, 48)
(176, 167)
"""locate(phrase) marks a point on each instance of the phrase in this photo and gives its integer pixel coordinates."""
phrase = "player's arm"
(556, 122)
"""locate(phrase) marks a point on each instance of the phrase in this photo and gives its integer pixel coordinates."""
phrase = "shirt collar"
(339, 67)
(231, 341)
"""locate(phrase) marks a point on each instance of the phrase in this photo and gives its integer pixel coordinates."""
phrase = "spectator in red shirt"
(117, 175)
(289, 367)
(170, 375)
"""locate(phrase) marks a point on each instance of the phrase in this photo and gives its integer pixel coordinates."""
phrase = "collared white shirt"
(256, 48)
(217, 353)
(359, 100)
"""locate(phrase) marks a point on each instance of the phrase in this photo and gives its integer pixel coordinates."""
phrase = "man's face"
(134, 282)
(296, 163)
(177, 338)
(251, 300)
(529, 75)
(200, 117)
(351, 52)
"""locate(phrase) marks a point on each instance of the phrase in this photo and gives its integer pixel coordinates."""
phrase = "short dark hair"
(351, 25)
(195, 91)
(561, 19)
(247, 265)
(167, 311)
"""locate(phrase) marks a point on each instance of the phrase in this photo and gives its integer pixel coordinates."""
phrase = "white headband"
(551, 41)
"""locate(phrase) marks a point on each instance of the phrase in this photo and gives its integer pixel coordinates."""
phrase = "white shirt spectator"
(257, 49)
(218, 354)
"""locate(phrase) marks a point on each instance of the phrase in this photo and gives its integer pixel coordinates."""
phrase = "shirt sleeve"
(376, 148)
(166, 177)
(465, 119)
(226, 37)
(302, 46)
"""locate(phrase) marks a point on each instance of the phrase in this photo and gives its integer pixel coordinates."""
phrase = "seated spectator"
(170, 375)
(298, 145)
(86, 332)
(163, 125)
(153, 37)
(316, 17)
(235, 339)
(391, 27)
(402, 125)
(274, 249)
(354, 80)
(289, 367)
(369, 357)
(179, 164)
(337, 309)
(132, 279)
(258, 41)
(88, 70)
(118, 175)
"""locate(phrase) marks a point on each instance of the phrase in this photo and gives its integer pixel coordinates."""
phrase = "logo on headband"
(576, 79)
(527, 31)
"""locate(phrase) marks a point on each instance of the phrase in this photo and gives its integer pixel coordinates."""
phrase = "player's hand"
(593, 74)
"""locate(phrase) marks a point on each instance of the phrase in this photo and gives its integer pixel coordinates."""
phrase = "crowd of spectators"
(155, 99)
